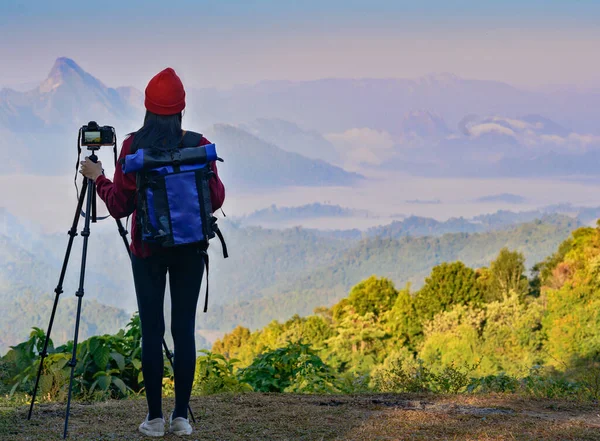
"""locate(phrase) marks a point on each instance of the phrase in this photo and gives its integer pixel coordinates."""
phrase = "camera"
(94, 135)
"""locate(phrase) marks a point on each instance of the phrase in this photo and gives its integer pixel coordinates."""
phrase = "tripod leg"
(123, 233)
(85, 234)
(58, 290)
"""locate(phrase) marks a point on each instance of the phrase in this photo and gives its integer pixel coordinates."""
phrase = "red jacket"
(119, 197)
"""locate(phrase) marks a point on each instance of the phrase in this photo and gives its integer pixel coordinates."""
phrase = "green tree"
(449, 284)
(572, 324)
(403, 322)
(357, 341)
(453, 337)
(512, 339)
(232, 342)
(507, 274)
(373, 295)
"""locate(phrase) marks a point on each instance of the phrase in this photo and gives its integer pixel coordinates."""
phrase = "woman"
(164, 102)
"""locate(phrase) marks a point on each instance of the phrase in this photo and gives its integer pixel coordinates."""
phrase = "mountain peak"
(65, 70)
(65, 66)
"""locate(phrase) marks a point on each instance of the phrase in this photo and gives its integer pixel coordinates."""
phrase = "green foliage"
(401, 373)
(29, 309)
(243, 345)
(373, 295)
(215, 374)
(301, 269)
(294, 367)
(357, 340)
(512, 339)
(492, 323)
(232, 341)
(500, 383)
(465, 331)
(453, 337)
(5, 370)
(572, 298)
(449, 284)
(542, 385)
(108, 366)
(312, 376)
(507, 273)
(544, 382)
(403, 323)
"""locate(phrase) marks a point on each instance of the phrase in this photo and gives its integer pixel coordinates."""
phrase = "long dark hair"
(158, 131)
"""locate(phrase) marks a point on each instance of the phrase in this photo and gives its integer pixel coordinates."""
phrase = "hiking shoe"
(155, 427)
(179, 426)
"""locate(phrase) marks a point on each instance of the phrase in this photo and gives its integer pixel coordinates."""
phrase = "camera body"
(94, 135)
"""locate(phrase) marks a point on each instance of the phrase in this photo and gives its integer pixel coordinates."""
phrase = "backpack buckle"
(176, 157)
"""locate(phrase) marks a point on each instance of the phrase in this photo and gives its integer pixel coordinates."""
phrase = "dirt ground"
(278, 417)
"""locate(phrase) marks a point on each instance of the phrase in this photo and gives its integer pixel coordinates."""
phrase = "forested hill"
(408, 259)
(488, 321)
(269, 274)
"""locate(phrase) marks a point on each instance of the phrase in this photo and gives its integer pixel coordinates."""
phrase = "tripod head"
(93, 156)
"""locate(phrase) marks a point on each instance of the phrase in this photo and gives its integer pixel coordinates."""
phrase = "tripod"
(89, 187)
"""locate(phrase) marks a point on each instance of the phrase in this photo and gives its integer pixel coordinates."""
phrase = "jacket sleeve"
(119, 196)
(217, 189)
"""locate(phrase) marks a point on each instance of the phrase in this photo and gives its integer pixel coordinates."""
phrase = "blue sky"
(221, 43)
(264, 11)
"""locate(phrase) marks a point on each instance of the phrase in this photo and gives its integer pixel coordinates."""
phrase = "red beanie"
(165, 94)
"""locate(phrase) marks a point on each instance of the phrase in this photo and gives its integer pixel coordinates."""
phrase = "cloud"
(585, 140)
(363, 145)
(363, 137)
(553, 139)
(532, 135)
(516, 123)
(482, 129)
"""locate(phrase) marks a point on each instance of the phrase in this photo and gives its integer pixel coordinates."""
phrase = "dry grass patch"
(278, 417)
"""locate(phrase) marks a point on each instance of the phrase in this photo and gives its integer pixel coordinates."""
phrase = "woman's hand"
(91, 169)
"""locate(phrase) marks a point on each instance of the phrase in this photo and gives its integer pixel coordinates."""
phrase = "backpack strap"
(205, 258)
(222, 239)
(191, 139)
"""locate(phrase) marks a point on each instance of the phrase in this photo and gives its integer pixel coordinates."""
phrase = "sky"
(225, 43)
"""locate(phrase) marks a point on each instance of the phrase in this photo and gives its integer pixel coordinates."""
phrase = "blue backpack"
(173, 196)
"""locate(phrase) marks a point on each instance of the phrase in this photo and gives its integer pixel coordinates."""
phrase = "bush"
(353, 383)
(501, 383)
(5, 375)
(294, 367)
(541, 384)
(312, 378)
(214, 374)
(401, 373)
(108, 366)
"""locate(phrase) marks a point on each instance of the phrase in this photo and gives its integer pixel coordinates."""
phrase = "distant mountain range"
(436, 125)
(275, 215)
(40, 129)
(68, 96)
(292, 138)
(337, 104)
(289, 270)
(404, 260)
(251, 162)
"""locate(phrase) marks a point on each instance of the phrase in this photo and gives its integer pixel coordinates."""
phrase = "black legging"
(185, 267)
